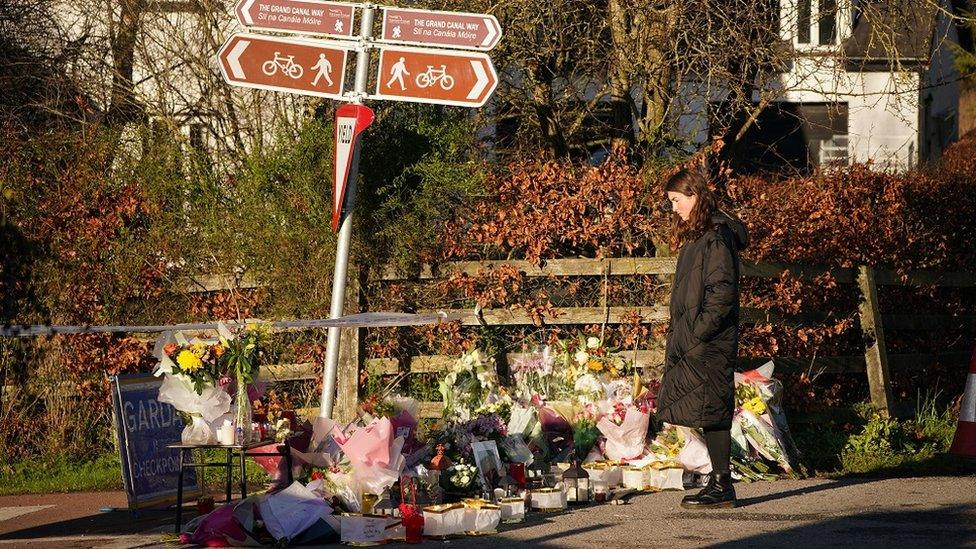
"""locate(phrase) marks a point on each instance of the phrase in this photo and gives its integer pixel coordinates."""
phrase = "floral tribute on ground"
(575, 425)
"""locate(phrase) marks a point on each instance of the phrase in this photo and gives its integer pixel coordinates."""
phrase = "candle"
(225, 435)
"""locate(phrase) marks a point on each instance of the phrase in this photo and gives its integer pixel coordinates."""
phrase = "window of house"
(815, 22)
(828, 21)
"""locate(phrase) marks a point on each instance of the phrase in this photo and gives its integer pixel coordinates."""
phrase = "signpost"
(449, 29)
(302, 16)
(308, 67)
(442, 77)
(144, 427)
(318, 68)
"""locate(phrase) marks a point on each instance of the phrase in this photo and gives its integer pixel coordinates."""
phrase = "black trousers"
(719, 444)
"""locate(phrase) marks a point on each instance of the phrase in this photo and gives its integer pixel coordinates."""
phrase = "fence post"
(350, 354)
(875, 352)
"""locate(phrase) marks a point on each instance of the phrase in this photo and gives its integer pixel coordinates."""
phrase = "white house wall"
(882, 108)
(176, 76)
(941, 89)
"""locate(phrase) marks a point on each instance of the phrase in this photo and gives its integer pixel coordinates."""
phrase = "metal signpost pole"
(345, 231)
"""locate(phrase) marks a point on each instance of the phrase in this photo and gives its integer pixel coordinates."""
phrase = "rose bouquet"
(585, 432)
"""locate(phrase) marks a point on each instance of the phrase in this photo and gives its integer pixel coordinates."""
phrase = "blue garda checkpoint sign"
(144, 427)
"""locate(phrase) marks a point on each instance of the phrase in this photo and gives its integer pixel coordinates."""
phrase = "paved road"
(907, 512)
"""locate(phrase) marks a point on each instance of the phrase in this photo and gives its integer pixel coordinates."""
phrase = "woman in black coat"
(703, 337)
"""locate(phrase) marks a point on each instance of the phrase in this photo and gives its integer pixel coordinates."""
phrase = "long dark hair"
(691, 183)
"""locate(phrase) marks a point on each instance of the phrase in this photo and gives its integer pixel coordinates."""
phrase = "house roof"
(888, 30)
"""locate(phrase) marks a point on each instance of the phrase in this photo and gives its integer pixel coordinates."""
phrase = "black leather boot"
(717, 494)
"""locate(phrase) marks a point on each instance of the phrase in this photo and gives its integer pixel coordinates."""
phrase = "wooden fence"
(875, 362)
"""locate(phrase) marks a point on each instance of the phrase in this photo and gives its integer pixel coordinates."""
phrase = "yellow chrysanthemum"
(198, 349)
(755, 405)
(188, 361)
(595, 365)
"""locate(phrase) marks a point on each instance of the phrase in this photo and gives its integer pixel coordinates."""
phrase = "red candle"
(517, 472)
(413, 523)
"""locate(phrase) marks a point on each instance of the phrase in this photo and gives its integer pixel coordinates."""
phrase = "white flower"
(484, 378)
(619, 390)
(593, 343)
(581, 357)
(587, 384)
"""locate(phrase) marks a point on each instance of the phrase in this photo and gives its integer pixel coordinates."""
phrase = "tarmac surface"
(903, 512)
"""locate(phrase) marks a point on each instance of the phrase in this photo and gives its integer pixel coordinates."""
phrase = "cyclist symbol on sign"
(434, 76)
(287, 65)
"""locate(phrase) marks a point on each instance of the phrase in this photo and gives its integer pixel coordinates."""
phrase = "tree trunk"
(548, 123)
(123, 106)
(622, 130)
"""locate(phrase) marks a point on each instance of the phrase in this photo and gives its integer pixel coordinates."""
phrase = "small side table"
(240, 451)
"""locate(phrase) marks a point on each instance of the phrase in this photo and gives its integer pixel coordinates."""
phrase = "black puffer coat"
(703, 337)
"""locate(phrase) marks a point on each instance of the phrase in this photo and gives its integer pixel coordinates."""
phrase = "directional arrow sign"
(442, 77)
(450, 29)
(304, 16)
(308, 67)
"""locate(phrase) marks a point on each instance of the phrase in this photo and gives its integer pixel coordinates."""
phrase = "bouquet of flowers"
(532, 374)
(459, 479)
(759, 421)
(591, 355)
(243, 363)
(747, 397)
(192, 370)
(684, 445)
(589, 389)
(585, 432)
(468, 386)
(669, 442)
(625, 429)
(557, 429)
(460, 435)
(402, 413)
(198, 374)
(196, 361)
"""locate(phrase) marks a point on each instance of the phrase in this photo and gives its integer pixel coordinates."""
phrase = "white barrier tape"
(967, 410)
(361, 320)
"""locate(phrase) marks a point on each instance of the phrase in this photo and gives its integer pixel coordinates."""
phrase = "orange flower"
(218, 350)
(170, 348)
(595, 365)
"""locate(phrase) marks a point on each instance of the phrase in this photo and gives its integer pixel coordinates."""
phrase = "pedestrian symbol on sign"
(396, 31)
(396, 74)
(325, 70)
